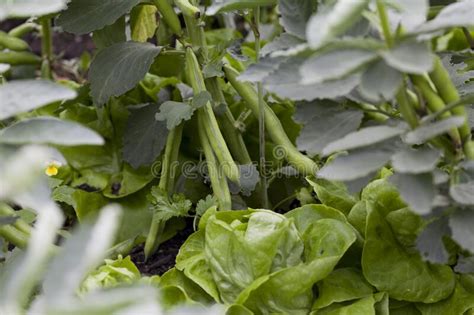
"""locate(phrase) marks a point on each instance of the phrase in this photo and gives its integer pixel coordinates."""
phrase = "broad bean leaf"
(357, 163)
(416, 161)
(295, 15)
(28, 8)
(417, 190)
(49, 130)
(285, 82)
(429, 130)
(24, 95)
(283, 42)
(460, 223)
(409, 14)
(67, 271)
(324, 122)
(118, 68)
(85, 16)
(363, 138)
(389, 267)
(410, 57)
(234, 5)
(345, 284)
(332, 21)
(430, 241)
(463, 193)
(111, 34)
(454, 15)
(371, 85)
(144, 136)
(334, 64)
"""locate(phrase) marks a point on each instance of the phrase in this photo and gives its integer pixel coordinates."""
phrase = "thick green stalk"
(46, 48)
(273, 125)
(227, 123)
(385, 23)
(169, 16)
(166, 184)
(6, 210)
(188, 9)
(210, 124)
(406, 109)
(261, 116)
(14, 236)
(435, 103)
(448, 92)
(218, 180)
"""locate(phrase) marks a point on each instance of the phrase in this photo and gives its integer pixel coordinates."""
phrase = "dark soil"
(164, 259)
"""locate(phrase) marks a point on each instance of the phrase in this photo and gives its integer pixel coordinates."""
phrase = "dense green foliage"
(320, 150)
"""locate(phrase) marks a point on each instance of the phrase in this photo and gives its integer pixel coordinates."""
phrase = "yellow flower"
(52, 169)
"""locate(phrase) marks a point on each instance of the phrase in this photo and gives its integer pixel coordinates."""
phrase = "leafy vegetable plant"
(303, 157)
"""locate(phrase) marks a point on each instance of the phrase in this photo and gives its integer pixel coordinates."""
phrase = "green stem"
(435, 104)
(188, 9)
(407, 111)
(14, 236)
(218, 180)
(273, 125)
(384, 21)
(20, 224)
(261, 116)
(210, 124)
(450, 95)
(46, 47)
(169, 16)
(166, 184)
(227, 123)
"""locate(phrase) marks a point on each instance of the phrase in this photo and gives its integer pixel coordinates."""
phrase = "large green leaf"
(24, 95)
(85, 16)
(295, 15)
(342, 285)
(333, 194)
(118, 68)
(111, 34)
(28, 8)
(460, 302)
(174, 113)
(49, 130)
(144, 137)
(333, 21)
(289, 291)
(463, 193)
(392, 268)
(410, 14)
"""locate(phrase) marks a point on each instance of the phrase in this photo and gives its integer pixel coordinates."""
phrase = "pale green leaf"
(49, 130)
(410, 57)
(430, 130)
(174, 113)
(24, 95)
(416, 161)
(417, 190)
(143, 22)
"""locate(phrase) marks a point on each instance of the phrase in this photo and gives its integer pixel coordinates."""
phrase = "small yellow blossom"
(52, 169)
